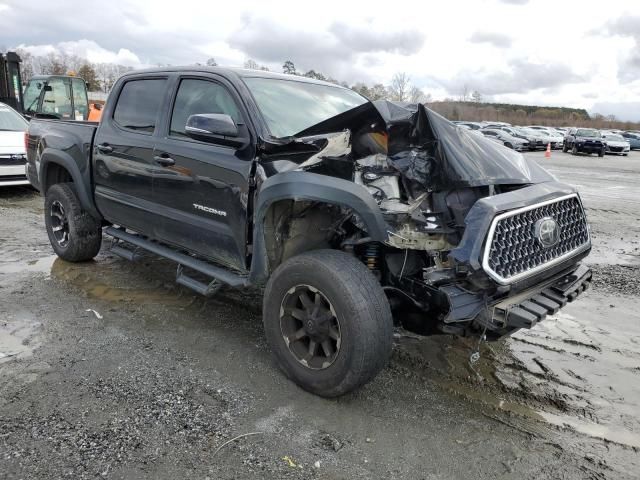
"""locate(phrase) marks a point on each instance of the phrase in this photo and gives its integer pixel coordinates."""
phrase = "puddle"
(580, 368)
(41, 265)
(115, 280)
(17, 335)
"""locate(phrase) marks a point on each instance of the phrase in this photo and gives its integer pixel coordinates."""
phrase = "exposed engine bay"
(425, 175)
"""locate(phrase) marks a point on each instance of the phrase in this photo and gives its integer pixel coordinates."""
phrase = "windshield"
(290, 106)
(32, 94)
(617, 138)
(587, 132)
(12, 120)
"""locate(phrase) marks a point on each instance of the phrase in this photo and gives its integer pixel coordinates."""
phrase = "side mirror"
(211, 125)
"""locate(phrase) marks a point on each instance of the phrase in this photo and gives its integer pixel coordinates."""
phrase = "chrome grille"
(513, 251)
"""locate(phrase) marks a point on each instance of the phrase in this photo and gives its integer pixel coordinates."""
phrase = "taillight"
(26, 141)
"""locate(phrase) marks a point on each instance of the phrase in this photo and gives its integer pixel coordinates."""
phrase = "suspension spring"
(372, 256)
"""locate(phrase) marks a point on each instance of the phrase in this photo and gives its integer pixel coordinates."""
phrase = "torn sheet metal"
(452, 157)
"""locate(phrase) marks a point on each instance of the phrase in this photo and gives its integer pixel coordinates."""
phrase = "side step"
(220, 275)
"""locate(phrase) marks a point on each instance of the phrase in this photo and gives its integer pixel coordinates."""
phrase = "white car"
(616, 143)
(13, 155)
(550, 135)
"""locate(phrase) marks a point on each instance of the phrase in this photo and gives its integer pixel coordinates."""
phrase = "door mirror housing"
(211, 125)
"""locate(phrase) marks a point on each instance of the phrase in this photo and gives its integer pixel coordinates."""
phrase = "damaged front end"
(439, 234)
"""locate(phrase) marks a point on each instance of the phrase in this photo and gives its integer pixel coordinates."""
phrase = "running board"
(220, 275)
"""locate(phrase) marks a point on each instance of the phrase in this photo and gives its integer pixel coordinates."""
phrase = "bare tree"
(416, 95)
(476, 96)
(251, 64)
(400, 87)
(378, 92)
(464, 95)
(211, 62)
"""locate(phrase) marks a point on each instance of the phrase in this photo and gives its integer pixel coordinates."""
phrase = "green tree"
(289, 67)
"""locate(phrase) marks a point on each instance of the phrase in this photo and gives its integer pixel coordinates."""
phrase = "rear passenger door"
(203, 187)
(123, 162)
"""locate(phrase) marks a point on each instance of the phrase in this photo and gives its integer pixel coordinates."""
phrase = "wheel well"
(292, 227)
(55, 173)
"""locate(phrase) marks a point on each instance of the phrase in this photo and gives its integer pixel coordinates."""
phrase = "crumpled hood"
(458, 157)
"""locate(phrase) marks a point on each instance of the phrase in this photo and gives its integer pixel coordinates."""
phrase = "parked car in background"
(615, 143)
(548, 136)
(506, 139)
(633, 139)
(13, 154)
(583, 140)
(471, 125)
(534, 140)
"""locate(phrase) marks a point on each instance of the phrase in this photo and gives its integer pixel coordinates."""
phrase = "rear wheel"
(74, 234)
(601, 153)
(327, 321)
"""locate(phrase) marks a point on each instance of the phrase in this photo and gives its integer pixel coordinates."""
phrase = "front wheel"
(327, 321)
(574, 150)
(601, 153)
(565, 149)
(74, 234)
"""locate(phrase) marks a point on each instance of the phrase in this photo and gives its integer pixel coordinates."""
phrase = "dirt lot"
(154, 380)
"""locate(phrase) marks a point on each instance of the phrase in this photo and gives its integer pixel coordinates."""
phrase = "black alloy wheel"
(310, 327)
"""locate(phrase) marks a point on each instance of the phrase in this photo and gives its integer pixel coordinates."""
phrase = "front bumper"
(589, 147)
(13, 175)
(532, 306)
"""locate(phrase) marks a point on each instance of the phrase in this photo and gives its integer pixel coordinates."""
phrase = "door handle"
(164, 160)
(105, 148)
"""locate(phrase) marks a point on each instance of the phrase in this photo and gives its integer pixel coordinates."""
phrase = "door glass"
(32, 95)
(57, 98)
(139, 103)
(200, 96)
(80, 101)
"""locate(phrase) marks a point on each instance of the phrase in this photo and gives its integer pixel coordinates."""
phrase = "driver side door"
(202, 186)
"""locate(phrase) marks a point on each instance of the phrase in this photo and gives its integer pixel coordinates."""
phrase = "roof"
(233, 71)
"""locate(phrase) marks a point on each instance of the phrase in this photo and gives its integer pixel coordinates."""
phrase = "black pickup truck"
(356, 215)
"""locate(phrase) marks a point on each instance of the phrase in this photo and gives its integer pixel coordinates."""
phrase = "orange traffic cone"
(547, 154)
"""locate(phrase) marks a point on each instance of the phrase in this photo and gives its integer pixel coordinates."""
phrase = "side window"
(57, 98)
(80, 101)
(32, 95)
(200, 96)
(139, 103)
(491, 134)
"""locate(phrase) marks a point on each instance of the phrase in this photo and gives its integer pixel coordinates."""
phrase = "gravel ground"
(108, 369)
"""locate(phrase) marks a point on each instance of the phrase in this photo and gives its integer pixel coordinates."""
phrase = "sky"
(536, 52)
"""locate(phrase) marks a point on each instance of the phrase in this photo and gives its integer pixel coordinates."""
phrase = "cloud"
(522, 77)
(515, 2)
(626, 26)
(88, 50)
(496, 39)
(335, 51)
(625, 111)
(357, 39)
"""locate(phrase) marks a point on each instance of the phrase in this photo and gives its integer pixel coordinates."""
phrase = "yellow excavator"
(46, 96)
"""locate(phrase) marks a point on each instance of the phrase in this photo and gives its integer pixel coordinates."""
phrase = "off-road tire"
(84, 231)
(364, 315)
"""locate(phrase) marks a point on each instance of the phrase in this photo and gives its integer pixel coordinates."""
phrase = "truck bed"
(71, 140)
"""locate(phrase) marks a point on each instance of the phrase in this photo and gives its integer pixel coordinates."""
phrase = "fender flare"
(299, 185)
(82, 186)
